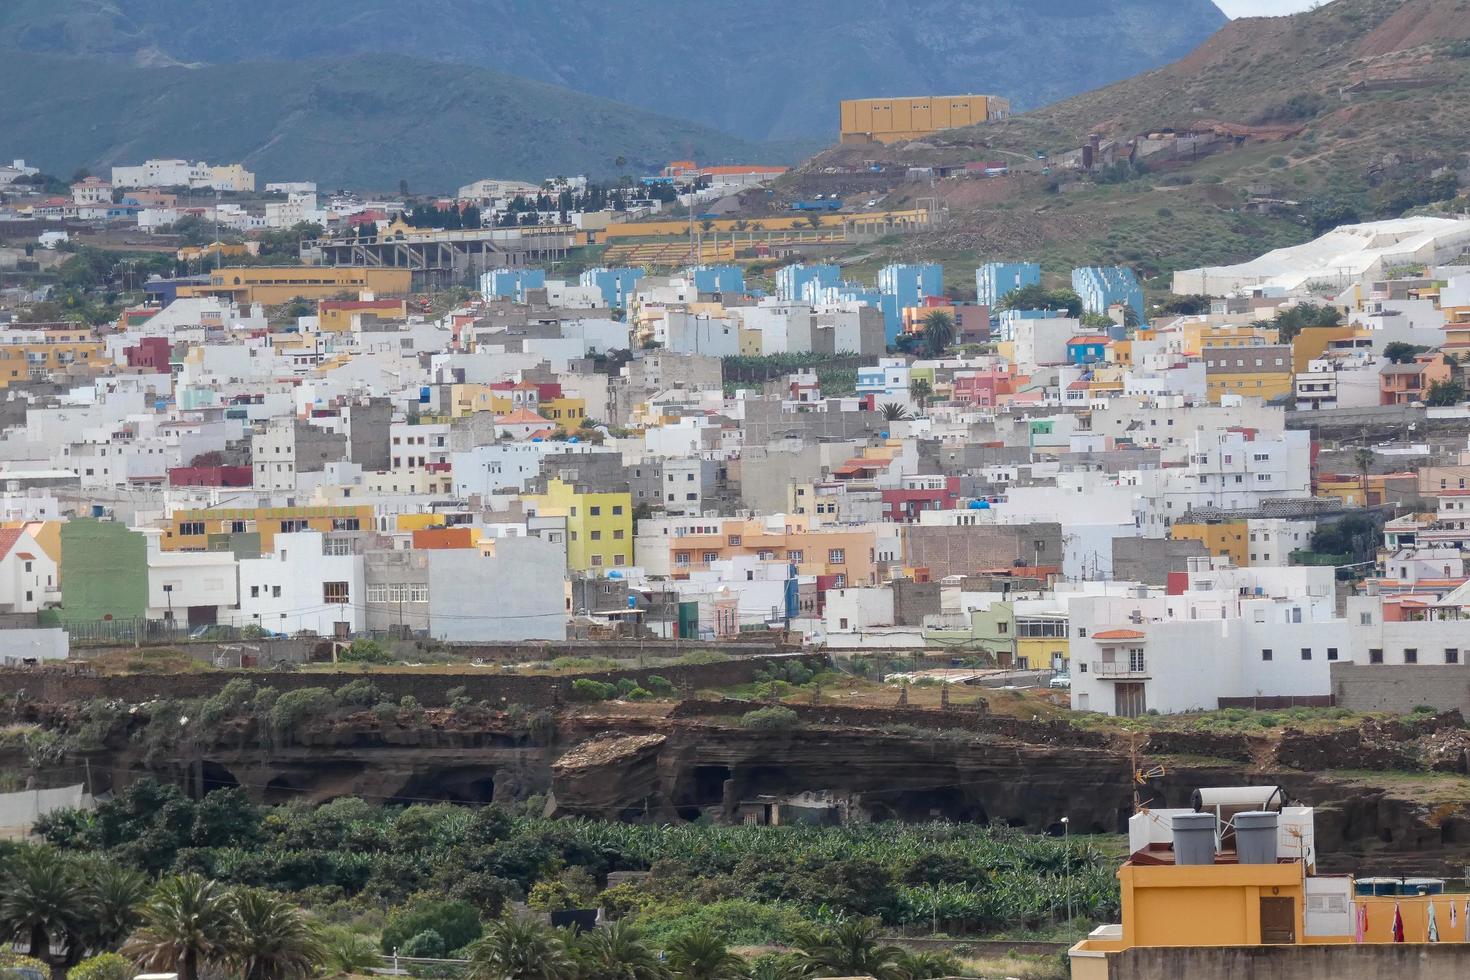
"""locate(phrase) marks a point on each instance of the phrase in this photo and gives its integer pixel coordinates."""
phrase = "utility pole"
(1067, 862)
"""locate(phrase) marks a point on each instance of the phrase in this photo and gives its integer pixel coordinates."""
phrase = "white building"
(303, 585)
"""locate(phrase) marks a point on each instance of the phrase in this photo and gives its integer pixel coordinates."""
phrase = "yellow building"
(894, 120)
(1200, 902)
(217, 250)
(27, 353)
(1041, 640)
(211, 529)
(467, 399)
(599, 525)
(1226, 539)
(276, 284)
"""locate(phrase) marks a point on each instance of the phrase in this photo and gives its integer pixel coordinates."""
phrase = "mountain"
(1355, 110)
(355, 121)
(763, 69)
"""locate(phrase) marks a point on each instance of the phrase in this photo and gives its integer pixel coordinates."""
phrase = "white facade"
(298, 587)
(492, 469)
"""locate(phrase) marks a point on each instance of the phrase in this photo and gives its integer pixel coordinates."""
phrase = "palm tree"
(514, 950)
(117, 895)
(1130, 316)
(187, 922)
(1363, 460)
(703, 956)
(893, 412)
(852, 949)
(45, 904)
(270, 938)
(938, 332)
(919, 391)
(775, 966)
(344, 951)
(618, 953)
(926, 965)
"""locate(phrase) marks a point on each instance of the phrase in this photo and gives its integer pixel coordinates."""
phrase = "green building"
(104, 572)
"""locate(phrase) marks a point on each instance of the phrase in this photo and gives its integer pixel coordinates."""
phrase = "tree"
(117, 895)
(1131, 319)
(1363, 460)
(1442, 393)
(45, 904)
(778, 967)
(403, 186)
(271, 938)
(852, 949)
(457, 922)
(703, 956)
(919, 391)
(814, 220)
(1400, 352)
(344, 951)
(515, 950)
(893, 412)
(926, 965)
(1038, 297)
(1292, 320)
(187, 923)
(618, 952)
(938, 332)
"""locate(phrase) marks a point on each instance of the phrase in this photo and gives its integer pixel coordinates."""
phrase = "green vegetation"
(435, 865)
(1442, 393)
(774, 718)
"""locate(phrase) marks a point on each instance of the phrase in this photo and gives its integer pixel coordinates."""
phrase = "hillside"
(763, 69)
(352, 122)
(1357, 110)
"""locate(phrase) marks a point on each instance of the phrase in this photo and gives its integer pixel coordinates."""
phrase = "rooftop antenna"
(1141, 775)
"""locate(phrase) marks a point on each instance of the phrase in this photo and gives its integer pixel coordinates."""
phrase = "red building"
(209, 476)
(920, 493)
(150, 353)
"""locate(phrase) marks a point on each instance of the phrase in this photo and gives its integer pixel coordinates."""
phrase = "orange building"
(846, 554)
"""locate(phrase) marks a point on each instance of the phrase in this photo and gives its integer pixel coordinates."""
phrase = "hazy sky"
(1262, 8)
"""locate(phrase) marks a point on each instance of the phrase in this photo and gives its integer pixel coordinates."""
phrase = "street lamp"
(1067, 863)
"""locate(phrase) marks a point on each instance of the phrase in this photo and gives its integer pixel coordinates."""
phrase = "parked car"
(1061, 681)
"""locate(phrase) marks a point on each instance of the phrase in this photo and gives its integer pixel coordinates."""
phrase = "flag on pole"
(1433, 935)
(1398, 924)
(1362, 931)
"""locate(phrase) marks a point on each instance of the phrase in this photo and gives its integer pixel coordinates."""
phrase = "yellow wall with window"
(1224, 540)
(599, 525)
(190, 530)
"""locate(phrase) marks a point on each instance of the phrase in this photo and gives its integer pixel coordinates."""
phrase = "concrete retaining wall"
(1401, 687)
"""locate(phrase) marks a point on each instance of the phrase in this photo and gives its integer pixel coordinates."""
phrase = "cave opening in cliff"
(214, 776)
(704, 787)
(446, 786)
(935, 803)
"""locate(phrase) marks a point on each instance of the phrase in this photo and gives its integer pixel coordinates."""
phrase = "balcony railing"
(1121, 669)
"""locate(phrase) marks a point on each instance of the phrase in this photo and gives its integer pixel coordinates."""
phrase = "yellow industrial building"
(895, 120)
(275, 284)
(34, 352)
(213, 529)
(1208, 885)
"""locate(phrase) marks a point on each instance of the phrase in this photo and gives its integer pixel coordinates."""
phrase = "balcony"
(1121, 670)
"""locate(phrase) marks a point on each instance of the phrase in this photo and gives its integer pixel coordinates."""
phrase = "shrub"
(637, 694)
(103, 966)
(774, 718)
(624, 685)
(659, 685)
(456, 923)
(359, 693)
(574, 888)
(386, 712)
(366, 652)
(586, 689)
(428, 944)
(295, 707)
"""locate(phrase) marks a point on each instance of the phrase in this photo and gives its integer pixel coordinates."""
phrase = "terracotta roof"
(1119, 635)
(1078, 386)
(8, 538)
(1089, 338)
(521, 416)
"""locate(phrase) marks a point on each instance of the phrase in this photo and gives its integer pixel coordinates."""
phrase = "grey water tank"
(1255, 837)
(1194, 838)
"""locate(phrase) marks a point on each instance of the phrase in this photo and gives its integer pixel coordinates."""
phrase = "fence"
(1279, 702)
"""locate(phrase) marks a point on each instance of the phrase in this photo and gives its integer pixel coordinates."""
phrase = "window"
(1135, 660)
(1332, 653)
(377, 593)
(1265, 654)
(255, 592)
(334, 592)
(28, 566)
(336, 546)
(596, 561)
(418, 593)
(1375, 656)
(681, 558)
(288, 527)
(1365, 619)
(346, 524)
(796, 555)
(1306, 653)
(709, 556)
(620, 559)
(594, 511)
(596, 535)
(1411, 655)
(275, 591)
(734, 540)
(1451, 655)
(618, 534)
(617, 510)
(238, 527)
(191, 527)
(836, 556)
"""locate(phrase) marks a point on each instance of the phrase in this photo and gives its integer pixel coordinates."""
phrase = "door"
(1278, 921)
(1129, 700)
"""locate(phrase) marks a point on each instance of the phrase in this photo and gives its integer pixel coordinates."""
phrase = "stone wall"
(486, 684)
(1401, 687)
(1340, 962)
(965, 550)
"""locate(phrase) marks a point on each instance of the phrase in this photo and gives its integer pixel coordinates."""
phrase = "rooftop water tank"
(1255, 837)
(1194, 838)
